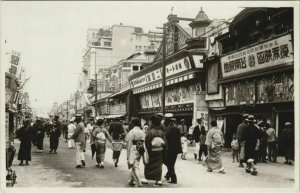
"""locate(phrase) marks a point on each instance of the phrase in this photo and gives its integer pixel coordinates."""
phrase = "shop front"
(184, 83)
(259, 80)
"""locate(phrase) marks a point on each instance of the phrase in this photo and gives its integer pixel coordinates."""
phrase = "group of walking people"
(157, 143)
(257, 142)
(34, 133)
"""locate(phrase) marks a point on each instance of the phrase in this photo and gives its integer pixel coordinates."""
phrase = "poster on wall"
(180, 95)
(156, 99)
(240, 93)
(279, 88)
(146, 100)
(202, 113)
(212, 78)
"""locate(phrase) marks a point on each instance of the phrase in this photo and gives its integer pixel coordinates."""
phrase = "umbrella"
(93, 148)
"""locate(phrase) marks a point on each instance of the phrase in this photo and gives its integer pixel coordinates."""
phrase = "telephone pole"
(163, 70)
(96, 85)
(67, 110)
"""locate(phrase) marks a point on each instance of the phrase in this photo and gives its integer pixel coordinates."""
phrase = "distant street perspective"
(150, 95)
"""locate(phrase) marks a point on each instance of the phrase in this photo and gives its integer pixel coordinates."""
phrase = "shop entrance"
(232, 122)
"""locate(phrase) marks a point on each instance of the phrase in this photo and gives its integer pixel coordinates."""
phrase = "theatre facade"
(256, 66)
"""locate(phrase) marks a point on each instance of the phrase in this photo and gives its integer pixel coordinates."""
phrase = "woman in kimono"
(214, 142)
(155, 144)
(135, 139)
(25, 134)
(99, 135)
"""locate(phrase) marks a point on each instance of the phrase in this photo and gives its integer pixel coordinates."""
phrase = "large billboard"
(268, 54)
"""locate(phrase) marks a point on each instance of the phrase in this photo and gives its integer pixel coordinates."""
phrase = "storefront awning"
(169, 81)
(114, 116)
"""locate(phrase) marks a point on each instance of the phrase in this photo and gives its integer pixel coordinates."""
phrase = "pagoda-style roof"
(200, 20)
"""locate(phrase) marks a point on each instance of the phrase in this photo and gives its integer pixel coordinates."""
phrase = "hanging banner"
(87, 98)
(271, 53)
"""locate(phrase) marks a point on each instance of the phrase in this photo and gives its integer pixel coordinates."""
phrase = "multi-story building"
(121, 104)
(54, 109)
(105, 48)
(185, 74)
(256, 69)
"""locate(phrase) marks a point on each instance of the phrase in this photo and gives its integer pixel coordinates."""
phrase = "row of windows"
(95, 35)
(140, 48)
(108, 44)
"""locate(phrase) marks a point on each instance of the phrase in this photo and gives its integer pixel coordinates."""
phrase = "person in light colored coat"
(79, 138)
(71, 129)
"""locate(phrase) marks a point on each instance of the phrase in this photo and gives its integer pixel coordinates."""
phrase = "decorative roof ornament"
(200, 20)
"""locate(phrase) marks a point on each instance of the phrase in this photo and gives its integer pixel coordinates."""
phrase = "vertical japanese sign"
(7, 127)
(15, 58)
(268, 54)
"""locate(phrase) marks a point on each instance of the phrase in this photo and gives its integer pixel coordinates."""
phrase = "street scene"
(149, 95)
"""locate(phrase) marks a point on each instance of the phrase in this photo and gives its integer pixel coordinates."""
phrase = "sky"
(51, 36)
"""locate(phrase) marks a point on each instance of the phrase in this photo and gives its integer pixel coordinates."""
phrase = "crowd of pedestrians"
(158, 142)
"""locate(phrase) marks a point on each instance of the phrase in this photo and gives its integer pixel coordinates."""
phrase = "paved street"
(57, 170)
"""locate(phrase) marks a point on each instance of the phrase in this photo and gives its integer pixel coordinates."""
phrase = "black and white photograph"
(149, 96)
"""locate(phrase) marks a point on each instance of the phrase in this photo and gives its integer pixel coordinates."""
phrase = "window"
(93, 35)
(138, 48)
(126, 64)
(135, 68)
(107, 44)
(141, 67)
(145, 48)
(97, 35)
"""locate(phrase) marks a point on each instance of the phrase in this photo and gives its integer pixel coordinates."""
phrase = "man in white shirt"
(71, 129)
(272, 149)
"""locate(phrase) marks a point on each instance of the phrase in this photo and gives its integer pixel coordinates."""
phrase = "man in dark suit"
(55, 132)
(117, 133)
(174, 148)
(196, 136)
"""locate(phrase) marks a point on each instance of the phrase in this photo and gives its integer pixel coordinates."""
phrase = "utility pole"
(96, 85)
(163, 70)
(67, 110)
(164, 47)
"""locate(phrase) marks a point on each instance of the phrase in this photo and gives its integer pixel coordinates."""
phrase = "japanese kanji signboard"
(271, 53)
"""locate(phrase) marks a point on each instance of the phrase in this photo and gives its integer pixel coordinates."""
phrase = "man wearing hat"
(79, 138)
(240, 134)
(55, 132)
(174, 147)
(263, 142)
(196, 136)
(287, 141)
(251, 137)
(182, 127)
